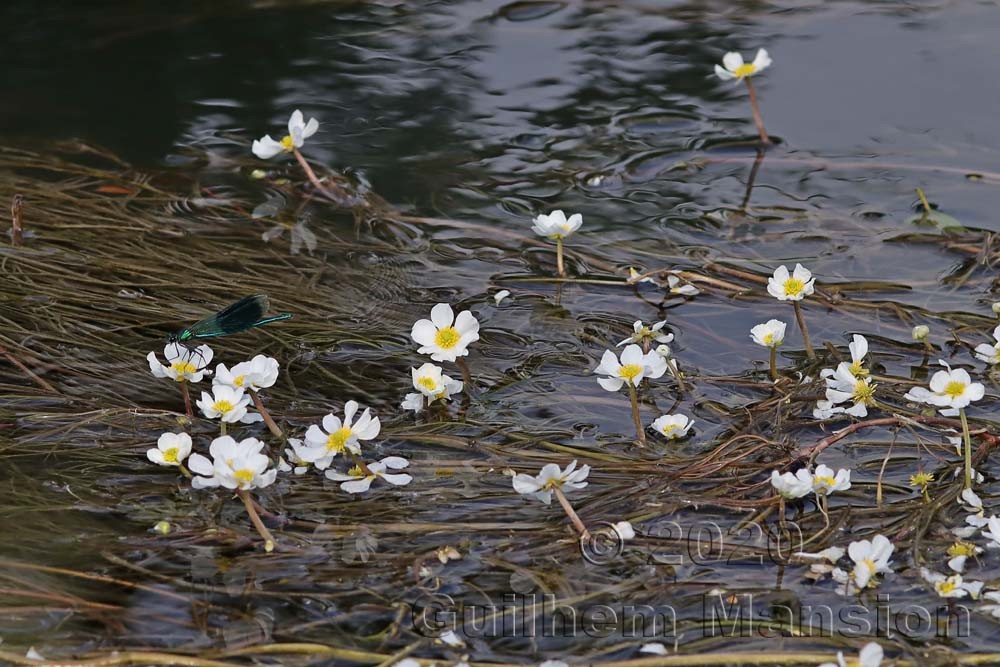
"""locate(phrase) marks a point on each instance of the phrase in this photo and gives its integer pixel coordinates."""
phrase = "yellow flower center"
(170, 455)
(921, 479)
(428, 383)
(768, 339)
(864, 392)
(858, 370)
(630, 371)
(745, 69)
(962, 549)
(793, 286)
(336, 441)
(356, 471)
(223, 406)
(288, 143)
(669, 428)
(870, 564)
(954, 389)
(244, 475)
(827, 481)
(239, 380)
(946, 586)
(183, 367)
(447, 338)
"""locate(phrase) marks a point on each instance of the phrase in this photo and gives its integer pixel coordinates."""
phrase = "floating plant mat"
(114, 259)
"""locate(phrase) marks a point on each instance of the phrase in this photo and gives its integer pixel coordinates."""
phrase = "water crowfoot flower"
(953, 586)
(633, 367)
(770, 334)
(645, 336)
(186, 365)
(357, 480)
(339, 437)
(843, 385)
(258, 373)
(792, 486)
(171, 449)
(990, 353)
(444, 336)
(552, 480)
(922, 480)
(557, 226)
(224, 403)
(794, 287)
(431, 385)
(734, 68)
(298, 131)
(870, 656)
(952, 390)
(672, 426)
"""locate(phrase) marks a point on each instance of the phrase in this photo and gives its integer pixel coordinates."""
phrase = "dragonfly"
(247, 313)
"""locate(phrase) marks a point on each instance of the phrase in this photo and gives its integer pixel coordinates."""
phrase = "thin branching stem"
(256, 520)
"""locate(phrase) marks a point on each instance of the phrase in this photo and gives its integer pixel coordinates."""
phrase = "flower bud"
(921, 331)
(996, 307)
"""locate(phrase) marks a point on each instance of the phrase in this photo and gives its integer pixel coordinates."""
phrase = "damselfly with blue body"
(245, 314)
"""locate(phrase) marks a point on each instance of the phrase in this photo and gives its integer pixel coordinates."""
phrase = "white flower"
(625, 530)
(735, 68)
(794, 287)
(953, 586)
(298, 132)
(870, 558)
(356, 481)
(633, 275)
(769, 334)
(870, 656)
(832, 554)
(186, 364)
(450, 638)
(656, 648)
(225, 403)
(826, 482)
(859, 349)
(992, 609)
(792, 486)
(234, 465)
(920, 332)
(171, 449)
(675, 286)
(634, 366)
(292, 461)
(971, 501)
(551, 477)
(501, 295)
(431, 385)
(644, 333)
(842, 385)
(990, 353)
(672, 426)
(553, 663)
(993, 524)
(950, 389)
(555, 225)
(444, 336)
(336, 437)
(258, 373)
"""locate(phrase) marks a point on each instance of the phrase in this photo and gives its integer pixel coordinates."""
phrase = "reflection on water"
(489, 113)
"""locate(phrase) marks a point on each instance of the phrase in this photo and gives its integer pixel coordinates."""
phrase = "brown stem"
(271, 426)
(571, 513)
(16, 220)
(466, 373)
(27, 371)
(758, 121)
(255, 520)
(751, 179)
(675, 370)
(186, 393)
(358, 461)
(338, 197)
(774, 363)
(560, 266)
(810, 352)
(640, 432)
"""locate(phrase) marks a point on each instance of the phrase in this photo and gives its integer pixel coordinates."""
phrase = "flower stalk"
(755, 109)
(773, 360)
(256, 520)
(16, 220)
(463, 367)
(186, 393)
(967, 440)
(265, 415)
(571, 513)
(810, 352)
(560, 265)
(633, 395)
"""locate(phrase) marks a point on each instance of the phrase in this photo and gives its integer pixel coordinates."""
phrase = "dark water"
(493, 112)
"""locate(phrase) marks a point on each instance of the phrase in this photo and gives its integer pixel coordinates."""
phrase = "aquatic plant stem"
(755, 109)
(571, 513)
(774, 363)
(16, 220)
(256, 520)
(560, 266)
(466, 373)
(810, 352)
(222, 428)
(675, 370)
(636, 419)
(311, 175)
(358, 461)
(186, 393)
(271, 426)
(967, 439)
(923, 200)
